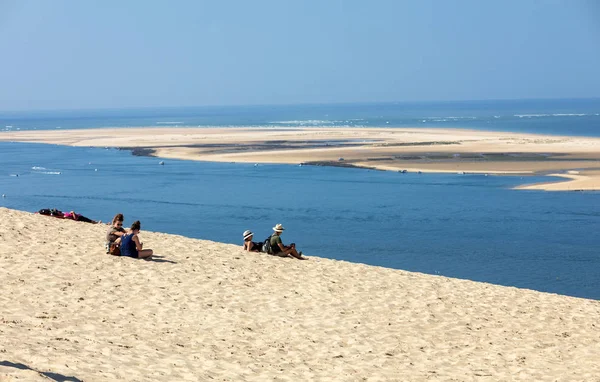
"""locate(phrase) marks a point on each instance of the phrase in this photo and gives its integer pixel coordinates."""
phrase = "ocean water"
(466, 226)
(579, 117)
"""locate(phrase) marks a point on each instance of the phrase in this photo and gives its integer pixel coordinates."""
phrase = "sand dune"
(209, 311)
(392, 149)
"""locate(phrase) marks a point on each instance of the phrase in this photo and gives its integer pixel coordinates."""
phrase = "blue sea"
(466, 226)
(578, 117)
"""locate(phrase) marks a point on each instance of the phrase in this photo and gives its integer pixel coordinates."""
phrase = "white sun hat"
(247, 233)
(278, 228)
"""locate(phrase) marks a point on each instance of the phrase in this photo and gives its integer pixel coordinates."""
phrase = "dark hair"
(118, 218)
(136, 225)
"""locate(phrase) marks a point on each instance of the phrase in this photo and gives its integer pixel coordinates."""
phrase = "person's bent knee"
(146, 253)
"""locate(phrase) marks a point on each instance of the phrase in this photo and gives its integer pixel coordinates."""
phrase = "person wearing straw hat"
(249, 245)
(283, 250)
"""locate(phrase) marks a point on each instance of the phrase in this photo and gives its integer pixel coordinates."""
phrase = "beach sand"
(579, 181)
(208, 311)
(391, 149)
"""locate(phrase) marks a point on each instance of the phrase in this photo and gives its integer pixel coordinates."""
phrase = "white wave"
(169, 123)
(312, 122)
(531, 115)
(8, 126)
(450, 117)
(44, 170)
(551, 115)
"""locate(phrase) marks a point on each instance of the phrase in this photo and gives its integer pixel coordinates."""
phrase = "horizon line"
(88, 109)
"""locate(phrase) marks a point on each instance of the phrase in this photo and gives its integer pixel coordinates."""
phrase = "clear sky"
(113, 53)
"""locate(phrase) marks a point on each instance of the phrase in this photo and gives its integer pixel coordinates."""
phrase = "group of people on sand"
(275, 245)
(122, 242)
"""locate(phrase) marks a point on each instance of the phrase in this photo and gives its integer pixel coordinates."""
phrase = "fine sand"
(392, 149)
(208, 311)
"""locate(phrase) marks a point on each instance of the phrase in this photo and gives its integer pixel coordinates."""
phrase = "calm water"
(562, 117)
(467, 226)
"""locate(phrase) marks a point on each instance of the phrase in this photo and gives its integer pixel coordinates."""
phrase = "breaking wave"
(551, 115)
(452, 118)
(308, 122)
(44, 170)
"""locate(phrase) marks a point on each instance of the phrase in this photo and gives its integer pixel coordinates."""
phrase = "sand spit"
(207, 311)
(392, 149)
(579, 181)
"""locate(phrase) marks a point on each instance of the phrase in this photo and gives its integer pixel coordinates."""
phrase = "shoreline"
(574, 182)
(206, 310)
(388, 149)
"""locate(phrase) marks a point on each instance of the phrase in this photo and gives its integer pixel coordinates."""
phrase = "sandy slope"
(427, 150)
(208, 311)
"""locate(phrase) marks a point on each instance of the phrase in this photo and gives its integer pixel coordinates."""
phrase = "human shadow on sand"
(53, 376)
(154, 259)
(160, 259)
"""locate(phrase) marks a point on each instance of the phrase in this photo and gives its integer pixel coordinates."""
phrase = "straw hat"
(278, 228)
(247, 233)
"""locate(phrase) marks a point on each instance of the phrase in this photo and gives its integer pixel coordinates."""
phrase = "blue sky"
(92, 54)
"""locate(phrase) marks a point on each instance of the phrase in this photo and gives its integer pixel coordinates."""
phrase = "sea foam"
(551, 115)
(307, 122)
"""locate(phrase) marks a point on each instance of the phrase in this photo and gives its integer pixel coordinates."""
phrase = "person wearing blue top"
(130, 243)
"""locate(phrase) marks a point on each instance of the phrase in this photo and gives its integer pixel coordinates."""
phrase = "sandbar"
(390, 149)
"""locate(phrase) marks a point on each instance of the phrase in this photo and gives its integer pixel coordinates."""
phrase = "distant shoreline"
(390, 149)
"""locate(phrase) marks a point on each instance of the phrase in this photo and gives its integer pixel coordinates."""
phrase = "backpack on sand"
(114, 249)
(266, 248)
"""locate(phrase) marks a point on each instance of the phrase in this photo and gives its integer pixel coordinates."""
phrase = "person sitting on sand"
(114, 234)
(79, 217)
(249, 245)
(130, 243)
(283, 250)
